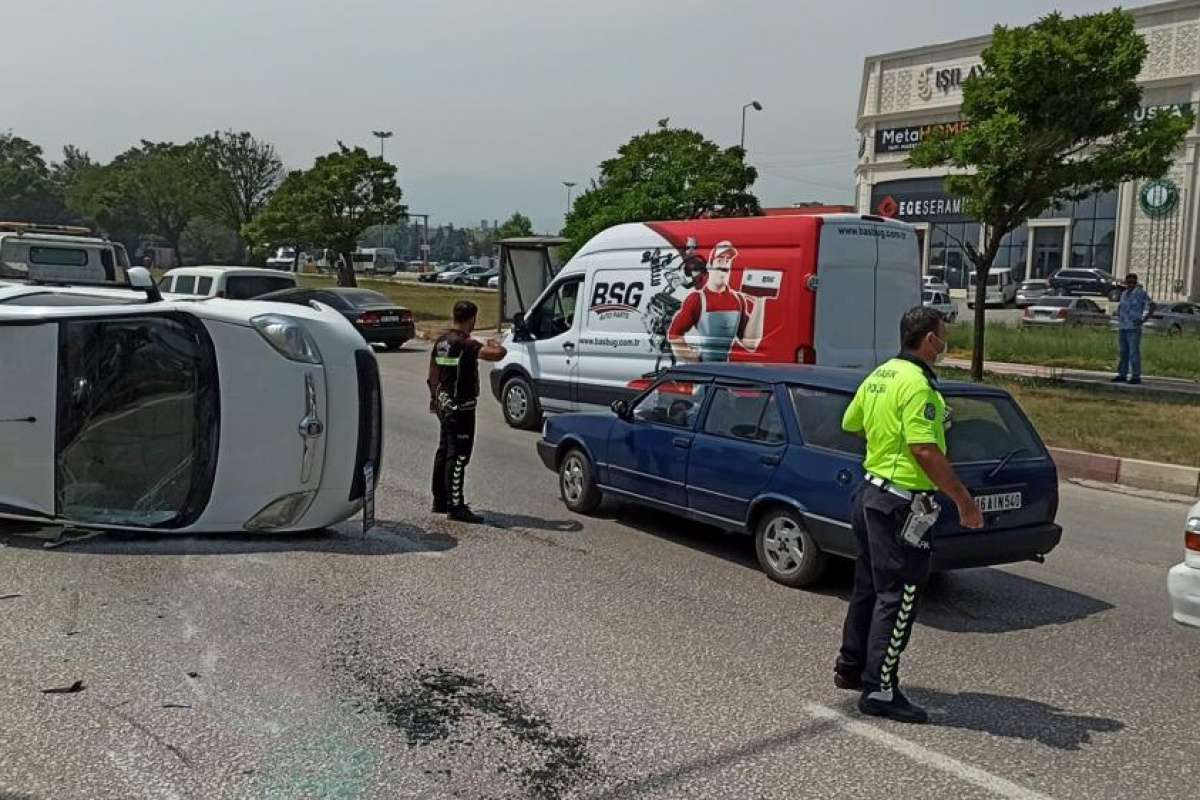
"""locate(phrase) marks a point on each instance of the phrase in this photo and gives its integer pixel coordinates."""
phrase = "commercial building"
(1147, 227)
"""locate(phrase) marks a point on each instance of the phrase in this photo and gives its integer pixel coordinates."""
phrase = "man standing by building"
(1135, 306)
(453, 395)
(904, 419)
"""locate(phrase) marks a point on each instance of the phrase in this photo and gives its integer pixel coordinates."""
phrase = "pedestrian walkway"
(1084, 377)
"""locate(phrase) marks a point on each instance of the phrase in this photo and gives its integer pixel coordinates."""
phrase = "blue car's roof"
(835, 378)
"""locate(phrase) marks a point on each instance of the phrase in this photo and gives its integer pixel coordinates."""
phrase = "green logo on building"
(1158, 198)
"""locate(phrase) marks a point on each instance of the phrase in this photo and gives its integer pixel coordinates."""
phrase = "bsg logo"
(612, 296)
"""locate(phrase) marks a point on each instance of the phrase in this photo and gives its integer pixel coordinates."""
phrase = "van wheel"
(520, 404)
(786, 550)
(577, 484)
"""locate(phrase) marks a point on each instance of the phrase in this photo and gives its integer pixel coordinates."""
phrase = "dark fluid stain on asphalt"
(434, 705)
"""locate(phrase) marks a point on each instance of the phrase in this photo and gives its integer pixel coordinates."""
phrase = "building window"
(947, 254)
(1014, 249)
(1094, 232)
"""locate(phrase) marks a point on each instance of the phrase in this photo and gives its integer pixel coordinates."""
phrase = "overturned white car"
(121, 410)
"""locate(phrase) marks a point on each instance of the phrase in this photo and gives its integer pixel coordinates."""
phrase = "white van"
(60, 254)
(379, 260)
(236, 283)
(1001, 288)
(641, 297)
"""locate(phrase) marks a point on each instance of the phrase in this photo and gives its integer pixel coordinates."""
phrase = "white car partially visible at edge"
(120, 411)
(1183, 581)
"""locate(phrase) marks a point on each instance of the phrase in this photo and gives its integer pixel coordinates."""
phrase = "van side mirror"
(520, 328)
(140, 278)
(620, 408)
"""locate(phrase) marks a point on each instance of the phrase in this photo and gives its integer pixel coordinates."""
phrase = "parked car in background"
(760, 449)
(235, 283)
(494, 281)
(1173, 319)
(1183, 581)
(935, 283)
(463, 277)
(447, 274)
(286, 259)
(377, 318)
(1086, 281)
(1030, 291)
(1059, 311)
(483, 278)
(941, 302)
(432, 275)
(1001, 288)
(178, 416)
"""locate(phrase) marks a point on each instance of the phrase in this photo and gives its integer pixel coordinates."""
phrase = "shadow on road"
(387, 538)
(506, 521)
(986, 600)
(1013, 718)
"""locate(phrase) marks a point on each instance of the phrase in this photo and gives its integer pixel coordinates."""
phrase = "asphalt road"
(552, 656)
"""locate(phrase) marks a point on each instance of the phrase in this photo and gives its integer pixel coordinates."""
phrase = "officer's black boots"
(465, 514)
(891, 703)
(844, 680)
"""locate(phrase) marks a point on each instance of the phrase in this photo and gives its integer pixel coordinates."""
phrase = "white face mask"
(942, 351)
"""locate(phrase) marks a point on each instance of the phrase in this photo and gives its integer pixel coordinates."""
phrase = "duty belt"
(890, 488)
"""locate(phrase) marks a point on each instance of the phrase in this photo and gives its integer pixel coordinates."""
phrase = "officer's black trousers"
(889, 576)
(450, 463)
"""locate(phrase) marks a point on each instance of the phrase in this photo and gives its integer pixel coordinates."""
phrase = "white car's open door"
(28, 387)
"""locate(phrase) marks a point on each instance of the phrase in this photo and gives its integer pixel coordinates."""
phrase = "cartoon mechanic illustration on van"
(719, 315)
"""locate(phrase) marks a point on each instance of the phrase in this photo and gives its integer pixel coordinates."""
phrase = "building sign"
(1158, 198)
(1178, 109)
(954, 77)
(901, 140)
(922, 200)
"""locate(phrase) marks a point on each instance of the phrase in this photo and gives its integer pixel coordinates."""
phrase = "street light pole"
(757, 106)
(568, 184)
(382, 136)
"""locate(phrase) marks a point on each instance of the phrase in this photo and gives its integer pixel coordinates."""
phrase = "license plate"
(368, 497)
(1009, 501)
(392, 318)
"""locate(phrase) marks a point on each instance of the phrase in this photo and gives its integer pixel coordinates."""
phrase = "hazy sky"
(493, 105)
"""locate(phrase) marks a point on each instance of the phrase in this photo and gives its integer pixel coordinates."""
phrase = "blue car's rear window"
(982, 428)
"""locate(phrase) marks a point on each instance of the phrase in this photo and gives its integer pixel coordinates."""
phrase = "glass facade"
(947, 252)
(1094, 232)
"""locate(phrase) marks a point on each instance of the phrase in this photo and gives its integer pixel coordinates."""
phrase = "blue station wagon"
(760, 449)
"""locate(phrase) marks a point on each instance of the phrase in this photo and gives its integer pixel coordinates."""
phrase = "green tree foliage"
(156, 188)
(1049, 120)
(330, 205)
(516, 225)
(241, 173)
(27, 191)
(667, 173)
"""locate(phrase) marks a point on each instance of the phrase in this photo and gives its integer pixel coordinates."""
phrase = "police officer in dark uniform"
(904, 418)
(453, 395)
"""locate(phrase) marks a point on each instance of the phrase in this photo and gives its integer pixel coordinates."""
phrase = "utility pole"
(569, 185)
(757, 106)
(382, 136)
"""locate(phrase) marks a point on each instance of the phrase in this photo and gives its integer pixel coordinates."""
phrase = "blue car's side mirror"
(620, 408)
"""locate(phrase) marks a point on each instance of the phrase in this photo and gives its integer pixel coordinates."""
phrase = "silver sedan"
(1060, 311)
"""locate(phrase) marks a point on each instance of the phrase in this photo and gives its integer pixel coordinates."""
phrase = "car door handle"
(683, 443)
(568, 345)
(770, 461)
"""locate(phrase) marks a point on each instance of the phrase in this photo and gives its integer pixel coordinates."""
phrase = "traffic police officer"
(453, 395)
(904, 419)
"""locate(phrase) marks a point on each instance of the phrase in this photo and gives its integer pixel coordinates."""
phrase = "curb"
(1172, 478)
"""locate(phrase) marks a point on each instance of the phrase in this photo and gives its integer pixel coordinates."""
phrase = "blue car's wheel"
(577, 484)
(786, 550)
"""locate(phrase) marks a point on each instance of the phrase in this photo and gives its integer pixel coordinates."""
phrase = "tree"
(1049, 119)
(668, 173)
(330, 205)
(516, 225)
(26, 189)
(242, 172)
(155, 188)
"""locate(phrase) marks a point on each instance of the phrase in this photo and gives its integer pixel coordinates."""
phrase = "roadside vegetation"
(1156, 428)
(1081, 348)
